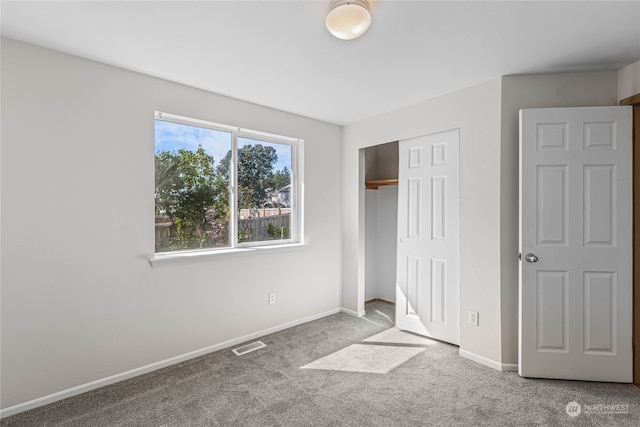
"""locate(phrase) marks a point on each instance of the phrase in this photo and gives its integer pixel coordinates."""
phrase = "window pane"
(264, 191)
(192, 187)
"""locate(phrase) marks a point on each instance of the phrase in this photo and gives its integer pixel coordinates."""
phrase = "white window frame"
(296, 229)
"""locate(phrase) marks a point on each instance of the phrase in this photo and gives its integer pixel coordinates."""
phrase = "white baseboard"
(510, 367)
(83, 388)
(488, 362)
(353, 313)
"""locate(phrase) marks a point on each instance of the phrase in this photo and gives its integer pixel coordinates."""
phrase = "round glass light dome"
(348, 19)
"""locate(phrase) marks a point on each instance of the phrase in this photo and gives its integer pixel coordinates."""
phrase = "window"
(222, 187)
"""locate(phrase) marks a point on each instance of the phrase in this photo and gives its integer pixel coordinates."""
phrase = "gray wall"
(382, 161)
(381, 216)
(476, 112)
(80, 302)
(629, 81)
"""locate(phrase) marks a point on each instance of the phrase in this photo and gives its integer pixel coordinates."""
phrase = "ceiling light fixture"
(348, 19)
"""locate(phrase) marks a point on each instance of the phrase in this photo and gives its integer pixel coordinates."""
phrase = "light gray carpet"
(268, 388)
(376, 359)
(398, 337)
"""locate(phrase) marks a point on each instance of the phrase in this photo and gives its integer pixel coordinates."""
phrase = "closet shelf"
(375, 183)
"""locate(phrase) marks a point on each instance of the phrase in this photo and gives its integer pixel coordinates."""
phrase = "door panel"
(552, 202)
(575, 207)
(599, 205)
(414, 202)
(427, 275)
(413, 287)
(552, 304)
(600, 309)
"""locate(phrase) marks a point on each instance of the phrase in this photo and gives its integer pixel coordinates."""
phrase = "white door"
(575, 240)
(427, 265)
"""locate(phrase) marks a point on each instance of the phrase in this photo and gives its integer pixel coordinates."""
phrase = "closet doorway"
(381, 218)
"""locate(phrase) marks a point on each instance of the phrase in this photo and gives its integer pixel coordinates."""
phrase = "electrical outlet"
(272, 298)
(474, 318)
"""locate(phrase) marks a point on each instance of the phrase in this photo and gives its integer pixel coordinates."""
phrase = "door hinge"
(519, 256)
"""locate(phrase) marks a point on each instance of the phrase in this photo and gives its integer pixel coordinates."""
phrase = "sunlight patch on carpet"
(396, 336)
(376, 359)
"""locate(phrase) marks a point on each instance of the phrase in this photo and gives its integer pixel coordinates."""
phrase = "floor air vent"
(249, 348)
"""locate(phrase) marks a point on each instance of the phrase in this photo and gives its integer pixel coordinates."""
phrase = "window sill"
(171, 258)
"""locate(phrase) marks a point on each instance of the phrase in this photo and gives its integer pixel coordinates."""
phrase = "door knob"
(531, 257)
(402, 240)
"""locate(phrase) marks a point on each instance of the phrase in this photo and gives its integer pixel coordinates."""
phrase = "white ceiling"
(279, 54)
